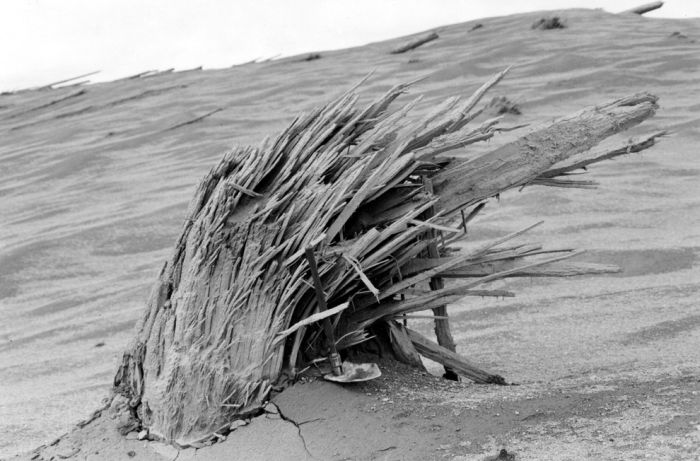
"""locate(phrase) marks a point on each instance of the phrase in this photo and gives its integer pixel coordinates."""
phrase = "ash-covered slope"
(95, 182)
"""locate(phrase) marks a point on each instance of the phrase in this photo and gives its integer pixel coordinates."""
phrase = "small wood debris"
(549, 24)
(413, 44)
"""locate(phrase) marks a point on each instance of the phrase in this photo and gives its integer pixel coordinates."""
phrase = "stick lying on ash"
(413, 44)
(647, 7)
(452, 360)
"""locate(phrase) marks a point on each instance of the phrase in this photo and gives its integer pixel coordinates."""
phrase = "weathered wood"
(472, 214)
(560, 269)
(208, 347)
(312, 319)
(647, 7)
(467, 182)
(51, 85)
(441, 322)
(588, 158)
(508, 261)
(429, 300)
(452, 360)
(140, 74)
(413, 44)
(49, 104)
(402, 346)
(194, 120)
(333, 357)
(448, 295)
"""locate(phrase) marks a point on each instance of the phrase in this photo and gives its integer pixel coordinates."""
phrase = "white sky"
(42, 41)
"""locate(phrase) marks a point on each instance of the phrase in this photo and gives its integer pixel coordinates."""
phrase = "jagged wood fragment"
(194, 120)
(415, 43)
(47, 105)
(564, 183)
(51, 85)
(586, 159)
(464, 183)
(401, 344)
(558, 269)
(311, 319)
(429, 300)
(452, 360)
(442, 321)
(647, 7)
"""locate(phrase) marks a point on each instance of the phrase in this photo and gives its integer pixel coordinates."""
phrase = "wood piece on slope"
(401, 344)
(418, 265)
(647, 7)
(60, 82)
(311, 319)
(448, 295)
(49, 104)
(558, 177)
(519, 162)
(452, 262)
(559, 269)
(581, 162)
(194, 120)
(447, 358)
(472, 214)
(413, 44)
(429, 300)
(561, 182)
(442, 322)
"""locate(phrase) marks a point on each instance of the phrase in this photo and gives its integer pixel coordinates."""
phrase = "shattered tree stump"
(234, 312)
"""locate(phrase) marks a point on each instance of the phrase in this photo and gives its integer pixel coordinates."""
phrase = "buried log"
(235, 311)
(647, 7)
(415, 43)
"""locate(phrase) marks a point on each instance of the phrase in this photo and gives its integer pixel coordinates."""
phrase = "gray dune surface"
(94, 186)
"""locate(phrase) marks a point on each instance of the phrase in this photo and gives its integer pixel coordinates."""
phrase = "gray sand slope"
(96, 179)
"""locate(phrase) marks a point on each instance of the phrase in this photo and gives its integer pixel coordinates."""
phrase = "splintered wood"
(415, 43)
(645, 8)
(234, 309)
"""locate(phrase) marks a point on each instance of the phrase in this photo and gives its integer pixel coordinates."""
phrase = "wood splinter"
(413, 44)
(442, 322)
(647, 7)
(451, 359)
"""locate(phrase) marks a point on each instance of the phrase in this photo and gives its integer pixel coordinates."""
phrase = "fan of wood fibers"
(376, 195)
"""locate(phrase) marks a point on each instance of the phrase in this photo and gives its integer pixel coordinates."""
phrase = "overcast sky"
(42, 41)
